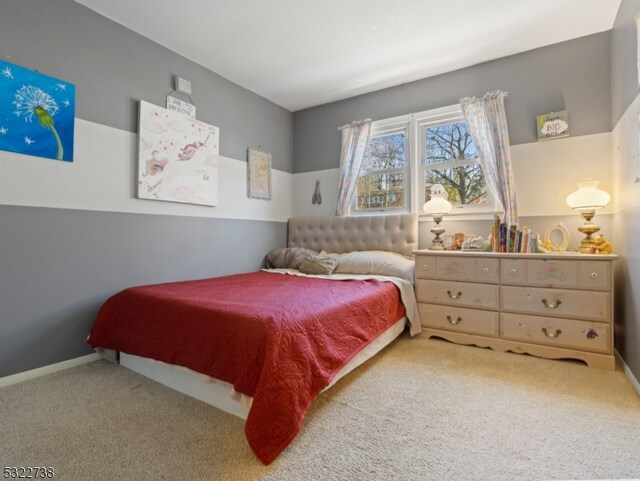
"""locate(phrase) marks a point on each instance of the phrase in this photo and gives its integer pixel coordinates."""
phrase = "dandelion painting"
(37, 113)
(177, 157)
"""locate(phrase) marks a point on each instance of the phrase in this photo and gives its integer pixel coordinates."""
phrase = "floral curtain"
(354, 143)
(487, 123)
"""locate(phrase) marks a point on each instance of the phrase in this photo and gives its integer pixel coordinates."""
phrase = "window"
(409, 154)
(382, 183)
(449, 158)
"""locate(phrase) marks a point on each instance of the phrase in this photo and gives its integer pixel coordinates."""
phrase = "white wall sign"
(181, 106)
(553, 125)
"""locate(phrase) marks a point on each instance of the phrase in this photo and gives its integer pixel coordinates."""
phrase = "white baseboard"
(632, 379)
(51, 368)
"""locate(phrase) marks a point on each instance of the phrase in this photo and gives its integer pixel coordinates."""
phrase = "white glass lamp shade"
(588, 196)
(586, 200)
(438, 204)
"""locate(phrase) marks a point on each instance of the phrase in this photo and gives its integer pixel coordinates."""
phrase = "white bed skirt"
(220, 393)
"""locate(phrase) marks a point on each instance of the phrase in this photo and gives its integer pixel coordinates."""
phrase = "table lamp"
(586, 200)
(437, 206)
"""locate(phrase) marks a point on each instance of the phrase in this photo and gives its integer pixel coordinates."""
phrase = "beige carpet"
(421, 410)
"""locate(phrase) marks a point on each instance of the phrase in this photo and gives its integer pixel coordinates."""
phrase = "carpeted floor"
(421, 410)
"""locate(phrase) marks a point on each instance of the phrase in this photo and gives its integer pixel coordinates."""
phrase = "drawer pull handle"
(551, 306)
(485, 269)
(454, 322)
(513, 272)
(454, 296)
(425, 267)
(551, 334)
(594, 275)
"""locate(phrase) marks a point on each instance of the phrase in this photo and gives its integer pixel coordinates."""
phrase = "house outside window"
(383, 181)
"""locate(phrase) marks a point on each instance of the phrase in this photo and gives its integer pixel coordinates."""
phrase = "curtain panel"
(487, 123)
(354, 143)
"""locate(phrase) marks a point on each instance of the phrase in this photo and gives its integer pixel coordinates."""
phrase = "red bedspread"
(279, 338)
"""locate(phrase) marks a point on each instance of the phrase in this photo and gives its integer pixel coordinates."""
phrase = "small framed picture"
(448, 242)
(258, 174)
(553, 125)
(458, 239)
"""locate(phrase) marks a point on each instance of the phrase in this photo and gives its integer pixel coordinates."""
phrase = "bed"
(263, 345)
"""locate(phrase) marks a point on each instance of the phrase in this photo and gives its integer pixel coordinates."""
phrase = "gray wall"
(57, 266)
(624, 91)
(113, 67)
(624, 70)
(538, 81)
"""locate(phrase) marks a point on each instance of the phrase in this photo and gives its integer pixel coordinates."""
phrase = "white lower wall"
(626, 158)
(304, 185)
(103, 177)
(545, 173)
(626, 162)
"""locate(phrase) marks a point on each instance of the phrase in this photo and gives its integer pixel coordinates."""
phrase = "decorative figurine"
(602, 245)
(316, 198)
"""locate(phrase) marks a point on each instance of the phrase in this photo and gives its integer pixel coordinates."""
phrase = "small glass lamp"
(437, 206)
(586, 200)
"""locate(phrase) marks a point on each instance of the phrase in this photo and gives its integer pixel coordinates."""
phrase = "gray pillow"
(288, 257)
(318, 265)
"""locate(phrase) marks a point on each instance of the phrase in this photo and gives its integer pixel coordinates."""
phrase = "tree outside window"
(406, 155)
(451, 159)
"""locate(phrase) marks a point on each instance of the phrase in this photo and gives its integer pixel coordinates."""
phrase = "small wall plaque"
(181, 106)
(553, 125)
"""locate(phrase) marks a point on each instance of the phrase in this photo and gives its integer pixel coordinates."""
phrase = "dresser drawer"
(582, 335)
(578, 274)
(462, 294)
(425, 267)
(471, 269)
(589, 305)
(459, 319)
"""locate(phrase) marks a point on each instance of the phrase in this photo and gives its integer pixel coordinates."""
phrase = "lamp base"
(437, 230)
(587, 245)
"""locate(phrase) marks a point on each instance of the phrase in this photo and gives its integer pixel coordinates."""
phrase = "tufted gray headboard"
(395, 233)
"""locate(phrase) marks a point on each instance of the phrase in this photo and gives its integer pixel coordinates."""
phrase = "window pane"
(465, 184)
(385, 152)
(446, 143)
(380, 191)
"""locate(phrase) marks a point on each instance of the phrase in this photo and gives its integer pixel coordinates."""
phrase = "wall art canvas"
(37, 113)
(258, 174)
(177, 157)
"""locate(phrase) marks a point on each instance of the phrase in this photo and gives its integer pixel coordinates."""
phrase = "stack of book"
(512, 238)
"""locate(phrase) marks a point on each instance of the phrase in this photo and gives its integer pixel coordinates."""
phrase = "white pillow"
(375, 262)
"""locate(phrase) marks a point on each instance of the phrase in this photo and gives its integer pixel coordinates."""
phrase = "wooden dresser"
(548, 305)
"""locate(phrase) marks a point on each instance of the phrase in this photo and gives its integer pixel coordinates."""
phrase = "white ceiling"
(301, 53)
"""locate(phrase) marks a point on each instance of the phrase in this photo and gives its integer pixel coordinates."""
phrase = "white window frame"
(386, 127)
(443, 116)
(415, 126)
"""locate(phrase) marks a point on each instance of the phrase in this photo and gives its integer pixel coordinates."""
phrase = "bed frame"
(395, 233)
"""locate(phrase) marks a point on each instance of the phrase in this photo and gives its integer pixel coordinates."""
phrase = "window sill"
(459, 216)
